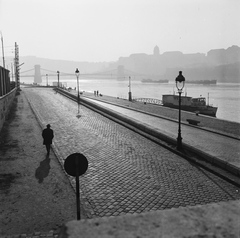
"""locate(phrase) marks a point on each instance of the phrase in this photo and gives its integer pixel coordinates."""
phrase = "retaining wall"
(5, 104)
(211, 220)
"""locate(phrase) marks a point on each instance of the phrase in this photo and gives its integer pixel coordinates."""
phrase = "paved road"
(226, 149)
(127, 172)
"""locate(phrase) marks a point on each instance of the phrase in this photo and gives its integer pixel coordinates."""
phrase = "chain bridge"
(120, 74)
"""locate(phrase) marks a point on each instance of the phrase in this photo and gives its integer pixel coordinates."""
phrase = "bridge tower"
(120, 72)
(37, 74)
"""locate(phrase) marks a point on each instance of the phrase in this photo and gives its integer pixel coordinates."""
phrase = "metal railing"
(149, 100)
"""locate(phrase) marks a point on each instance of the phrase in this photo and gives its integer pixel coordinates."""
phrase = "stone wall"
(5, 103)
(211, 220)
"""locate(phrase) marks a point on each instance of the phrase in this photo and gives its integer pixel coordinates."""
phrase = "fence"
(149, 100)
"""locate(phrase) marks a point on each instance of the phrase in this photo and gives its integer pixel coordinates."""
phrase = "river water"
(226, 96)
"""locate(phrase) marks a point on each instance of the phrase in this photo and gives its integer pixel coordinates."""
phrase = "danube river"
(226, 96)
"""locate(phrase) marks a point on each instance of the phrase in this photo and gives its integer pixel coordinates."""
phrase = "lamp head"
(77, 72)
(180, 81)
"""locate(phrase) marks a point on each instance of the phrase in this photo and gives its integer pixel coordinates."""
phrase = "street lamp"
(58, 78)
(47, 79)
(78, 96)
(129, 93)
(180, 82)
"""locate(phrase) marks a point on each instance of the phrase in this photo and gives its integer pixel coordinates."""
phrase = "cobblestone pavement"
(127, 173)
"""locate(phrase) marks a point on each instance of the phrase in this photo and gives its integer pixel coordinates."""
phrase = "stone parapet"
(212, 220)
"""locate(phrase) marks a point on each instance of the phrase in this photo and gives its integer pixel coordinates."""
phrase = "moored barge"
(154, 81)
(213, 81)
(197, 105)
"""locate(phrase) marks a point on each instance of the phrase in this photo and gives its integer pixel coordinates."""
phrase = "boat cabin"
(196, 102)
(170, 99)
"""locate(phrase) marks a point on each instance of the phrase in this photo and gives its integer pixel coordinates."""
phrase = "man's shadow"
(43, 170)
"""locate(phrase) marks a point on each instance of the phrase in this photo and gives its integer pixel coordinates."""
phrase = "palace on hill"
(196, 66)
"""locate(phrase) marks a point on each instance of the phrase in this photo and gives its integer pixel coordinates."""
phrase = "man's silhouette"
(47, 135)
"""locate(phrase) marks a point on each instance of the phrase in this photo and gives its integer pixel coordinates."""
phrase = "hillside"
(220, 64)
(62, 65)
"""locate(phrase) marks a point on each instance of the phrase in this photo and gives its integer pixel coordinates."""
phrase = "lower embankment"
(215, 124)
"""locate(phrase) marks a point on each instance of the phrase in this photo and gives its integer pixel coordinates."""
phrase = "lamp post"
(47, 79)
(180, 82)
(58, 78)
(78, 96)
(129, 93)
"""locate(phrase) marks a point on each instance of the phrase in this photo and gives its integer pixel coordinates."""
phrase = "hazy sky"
(104, 30)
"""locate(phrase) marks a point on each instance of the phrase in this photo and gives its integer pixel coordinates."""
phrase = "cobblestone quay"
(127, 173)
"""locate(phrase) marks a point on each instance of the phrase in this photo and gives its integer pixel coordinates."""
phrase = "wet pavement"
(127, 173)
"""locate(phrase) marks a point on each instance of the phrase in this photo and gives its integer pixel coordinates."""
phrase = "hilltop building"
(195, 66)
(156, 51)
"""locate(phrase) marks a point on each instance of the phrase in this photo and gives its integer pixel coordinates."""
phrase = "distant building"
(222, 56)
(5, 86)
(156, 51)
(219, 64)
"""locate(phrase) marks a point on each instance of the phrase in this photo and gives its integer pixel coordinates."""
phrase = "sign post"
(76, 165)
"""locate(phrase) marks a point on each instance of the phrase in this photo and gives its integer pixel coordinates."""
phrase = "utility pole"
(17, 66)
(3, 51)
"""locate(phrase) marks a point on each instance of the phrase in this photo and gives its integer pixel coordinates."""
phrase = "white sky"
(104, 30)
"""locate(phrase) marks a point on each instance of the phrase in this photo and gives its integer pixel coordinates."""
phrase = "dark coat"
(47, 135)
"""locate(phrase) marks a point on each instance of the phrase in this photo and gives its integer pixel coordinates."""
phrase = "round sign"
(76, 164)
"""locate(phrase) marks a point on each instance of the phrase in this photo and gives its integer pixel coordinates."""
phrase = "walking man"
(47, 135)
